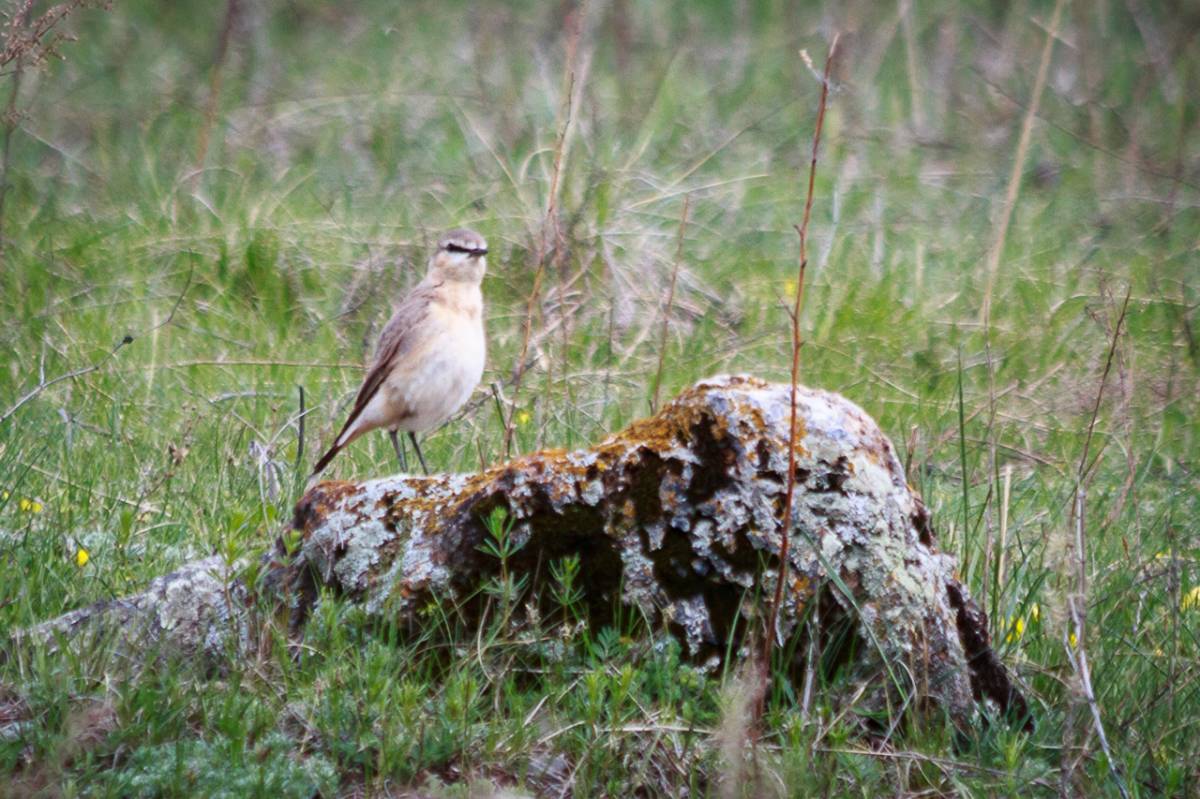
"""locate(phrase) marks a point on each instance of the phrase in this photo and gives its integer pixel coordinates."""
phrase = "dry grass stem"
(666, 321)
(1005, 498)
(739, 699)
(1077, 600)
(31, 40)
(550, 234)
(1018, 166)
(214, 85)
(11, 119)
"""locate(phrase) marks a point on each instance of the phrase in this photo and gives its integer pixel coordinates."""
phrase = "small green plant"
(501, 545)
(567, 591)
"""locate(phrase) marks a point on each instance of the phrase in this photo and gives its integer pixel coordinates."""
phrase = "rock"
(192, 611)
(677, 516)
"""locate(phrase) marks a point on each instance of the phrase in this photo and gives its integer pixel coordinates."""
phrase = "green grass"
(346, 139)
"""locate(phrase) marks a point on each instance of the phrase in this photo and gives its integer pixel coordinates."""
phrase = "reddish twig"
(1112, 348)
(797, 342)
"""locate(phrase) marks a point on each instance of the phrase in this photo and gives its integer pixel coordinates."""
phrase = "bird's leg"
(413, 438)
(396, 445)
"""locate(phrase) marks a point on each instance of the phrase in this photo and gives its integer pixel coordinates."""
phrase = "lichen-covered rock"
(679, 516)
(199, 609)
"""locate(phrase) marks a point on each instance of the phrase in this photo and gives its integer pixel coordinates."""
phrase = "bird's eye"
(456, 248)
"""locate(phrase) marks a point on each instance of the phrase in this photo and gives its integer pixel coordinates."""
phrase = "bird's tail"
(326, 458)
(344, 437)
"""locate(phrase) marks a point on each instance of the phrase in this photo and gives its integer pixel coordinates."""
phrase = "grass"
(345, 139)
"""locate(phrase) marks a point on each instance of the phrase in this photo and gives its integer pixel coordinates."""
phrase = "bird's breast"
(446, 369)
(460, 332)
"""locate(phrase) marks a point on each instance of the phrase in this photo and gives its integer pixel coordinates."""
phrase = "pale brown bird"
(430, 355)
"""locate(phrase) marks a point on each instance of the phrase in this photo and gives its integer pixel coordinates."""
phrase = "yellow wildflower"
(1035, 613)
(1018, 629)
(524, 418)
(4, 494)
(82, 557)
(30, 505)
(1072, 640)
(1191, 600)
(789, 289)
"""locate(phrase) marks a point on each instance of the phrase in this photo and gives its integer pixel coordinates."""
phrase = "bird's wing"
(398, 337)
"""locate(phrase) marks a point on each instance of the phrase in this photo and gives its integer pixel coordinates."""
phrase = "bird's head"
(461, 256)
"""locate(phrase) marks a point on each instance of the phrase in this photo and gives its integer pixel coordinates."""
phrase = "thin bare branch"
(1112, 348)
(45, 384)
(770, 632)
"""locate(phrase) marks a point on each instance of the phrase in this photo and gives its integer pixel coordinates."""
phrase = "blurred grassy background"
(246, 194)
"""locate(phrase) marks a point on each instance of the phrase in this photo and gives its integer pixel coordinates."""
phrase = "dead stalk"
(1014, 178)
(662, 343)
(214, 85)
(550, 233)
(10, 126)
(1005, 496)
(1112, 348)
(993, 266)
(802, 229)
(300, 431)
(1077, 601)
(917, 117)
(989, 539)
(11, 115)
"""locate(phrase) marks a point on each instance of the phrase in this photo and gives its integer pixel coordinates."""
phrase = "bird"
(431, 353)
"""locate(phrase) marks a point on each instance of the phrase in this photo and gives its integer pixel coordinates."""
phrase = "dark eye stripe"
(452, 247)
